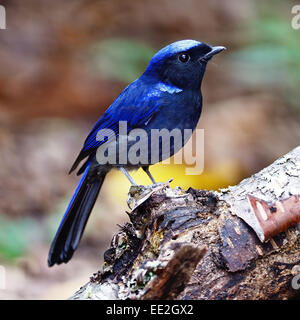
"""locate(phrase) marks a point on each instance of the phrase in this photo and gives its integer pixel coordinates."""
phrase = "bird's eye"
(184, 57)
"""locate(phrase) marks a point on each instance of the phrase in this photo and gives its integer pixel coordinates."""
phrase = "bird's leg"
(128, 176)
(146, 169)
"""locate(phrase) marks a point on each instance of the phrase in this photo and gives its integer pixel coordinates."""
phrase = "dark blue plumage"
(168, 96)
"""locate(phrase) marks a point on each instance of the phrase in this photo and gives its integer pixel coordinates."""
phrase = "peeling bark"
(198, 244)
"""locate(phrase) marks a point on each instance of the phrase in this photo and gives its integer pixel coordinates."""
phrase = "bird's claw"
(138, 194)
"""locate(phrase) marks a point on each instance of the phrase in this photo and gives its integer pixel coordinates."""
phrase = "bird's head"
(182, 63)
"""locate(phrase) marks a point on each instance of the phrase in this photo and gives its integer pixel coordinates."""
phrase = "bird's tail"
(75, 218)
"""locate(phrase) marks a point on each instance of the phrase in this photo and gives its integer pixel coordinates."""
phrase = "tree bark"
(240, 243)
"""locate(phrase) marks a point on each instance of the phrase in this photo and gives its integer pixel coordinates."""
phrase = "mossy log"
(242, 242)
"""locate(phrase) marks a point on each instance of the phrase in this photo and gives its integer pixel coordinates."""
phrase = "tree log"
(242, 242)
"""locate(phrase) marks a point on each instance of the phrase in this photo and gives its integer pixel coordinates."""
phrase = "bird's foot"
(138, 194)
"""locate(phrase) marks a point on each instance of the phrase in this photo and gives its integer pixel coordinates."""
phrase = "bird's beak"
(214, 50)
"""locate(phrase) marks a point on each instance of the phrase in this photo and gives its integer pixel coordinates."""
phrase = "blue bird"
(166, 96)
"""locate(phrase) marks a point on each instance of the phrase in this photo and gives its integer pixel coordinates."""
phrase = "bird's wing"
(136, 105)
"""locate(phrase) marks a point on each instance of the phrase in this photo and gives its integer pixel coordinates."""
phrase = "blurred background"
(61, 65)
